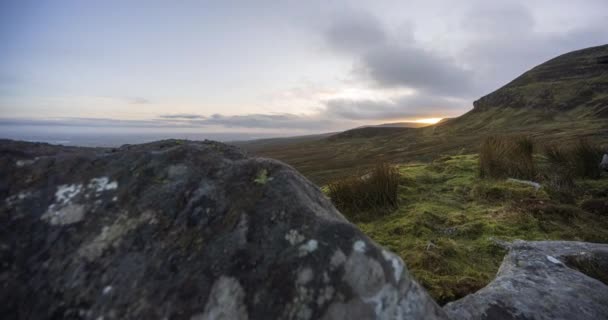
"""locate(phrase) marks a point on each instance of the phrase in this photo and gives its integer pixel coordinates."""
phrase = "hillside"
(563, 99)
(573, 80)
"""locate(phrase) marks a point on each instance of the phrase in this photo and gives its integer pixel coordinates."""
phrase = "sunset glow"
(428, 120)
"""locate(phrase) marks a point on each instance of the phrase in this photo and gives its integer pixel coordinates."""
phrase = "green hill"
(563, 99)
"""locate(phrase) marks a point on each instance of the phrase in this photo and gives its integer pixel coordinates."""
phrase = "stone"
(543, 280)
(184, 230)
(604, 163)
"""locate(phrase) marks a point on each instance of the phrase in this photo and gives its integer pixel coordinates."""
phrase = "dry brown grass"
(375, 191)
(507, 156)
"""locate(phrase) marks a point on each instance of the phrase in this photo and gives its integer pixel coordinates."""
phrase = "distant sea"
(93, 137)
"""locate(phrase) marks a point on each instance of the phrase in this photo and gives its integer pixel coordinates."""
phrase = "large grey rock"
(604, 163)
(543, 280)
(184, 230)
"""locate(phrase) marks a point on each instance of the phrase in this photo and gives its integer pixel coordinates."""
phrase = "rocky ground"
(198, 230)
(184, 230)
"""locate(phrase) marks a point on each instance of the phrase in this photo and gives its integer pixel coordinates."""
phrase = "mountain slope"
(563, 99)
(575, 79)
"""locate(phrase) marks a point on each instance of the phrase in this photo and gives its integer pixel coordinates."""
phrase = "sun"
(428, 120)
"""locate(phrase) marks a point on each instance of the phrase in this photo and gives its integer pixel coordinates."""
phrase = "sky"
(269, 68)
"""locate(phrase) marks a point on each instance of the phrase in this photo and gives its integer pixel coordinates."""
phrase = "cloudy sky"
(272, 67)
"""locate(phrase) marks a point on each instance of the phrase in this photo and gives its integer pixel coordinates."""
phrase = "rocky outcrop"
(543, 280)
(184, 230)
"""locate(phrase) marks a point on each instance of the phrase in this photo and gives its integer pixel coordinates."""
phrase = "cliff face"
(575, 79)
(184, 230)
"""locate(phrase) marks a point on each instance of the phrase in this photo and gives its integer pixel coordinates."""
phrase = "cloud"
(406, 106)
(401, 66)
(138, 100)
(388, 61)
(252, 121)
(284, 121)
(355, 31)
(181, 116)
(81, 122)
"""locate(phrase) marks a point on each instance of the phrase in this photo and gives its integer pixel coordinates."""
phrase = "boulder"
(604, 163)
(185, 230)
(543, 280)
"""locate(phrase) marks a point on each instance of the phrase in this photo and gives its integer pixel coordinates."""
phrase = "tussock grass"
(580, 160)
(566, 164)
(376, 191)
(587, 158)
(507, 156)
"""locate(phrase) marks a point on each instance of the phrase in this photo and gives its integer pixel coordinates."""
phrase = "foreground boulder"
(543, 280)
(604, 163)
(184, 230)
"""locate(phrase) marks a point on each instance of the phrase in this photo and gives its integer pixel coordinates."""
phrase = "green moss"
(262, 177)
(448, 217)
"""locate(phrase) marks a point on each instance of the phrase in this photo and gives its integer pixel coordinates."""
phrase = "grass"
(506, 156)
(448, 219)
(372, 193)
(326, 159)
(579, 160)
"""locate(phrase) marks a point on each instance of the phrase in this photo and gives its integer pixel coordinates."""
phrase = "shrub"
(559, 182)
(375, 190)
(587, 158)
(506, 156)
(580, 160)
(597, 206)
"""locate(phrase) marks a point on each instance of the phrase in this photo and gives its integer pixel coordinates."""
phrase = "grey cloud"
(394, 66)
(498, 19)
(355, 32)
(181, 116)
(286, 121)
(389, 62)
(81, 122)
(409, 106)
(253, 121)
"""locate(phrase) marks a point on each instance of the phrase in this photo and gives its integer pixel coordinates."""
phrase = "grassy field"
(324, 160)
(449, 222)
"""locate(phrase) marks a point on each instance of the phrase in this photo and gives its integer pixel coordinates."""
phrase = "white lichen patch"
(66, 192)
(363, 274)
(102, 184)
(359, 246)
(106, 290)
(23, 163)
(63, 211)
(337, 259)
(66, 214)
(554, 260)
(308, 247)
(225, 301)
(385, 303)
(396, 262)
(12, 200)
(111, 236)
(294, 237)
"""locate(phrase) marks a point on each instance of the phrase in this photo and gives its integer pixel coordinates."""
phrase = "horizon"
(235, 70)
